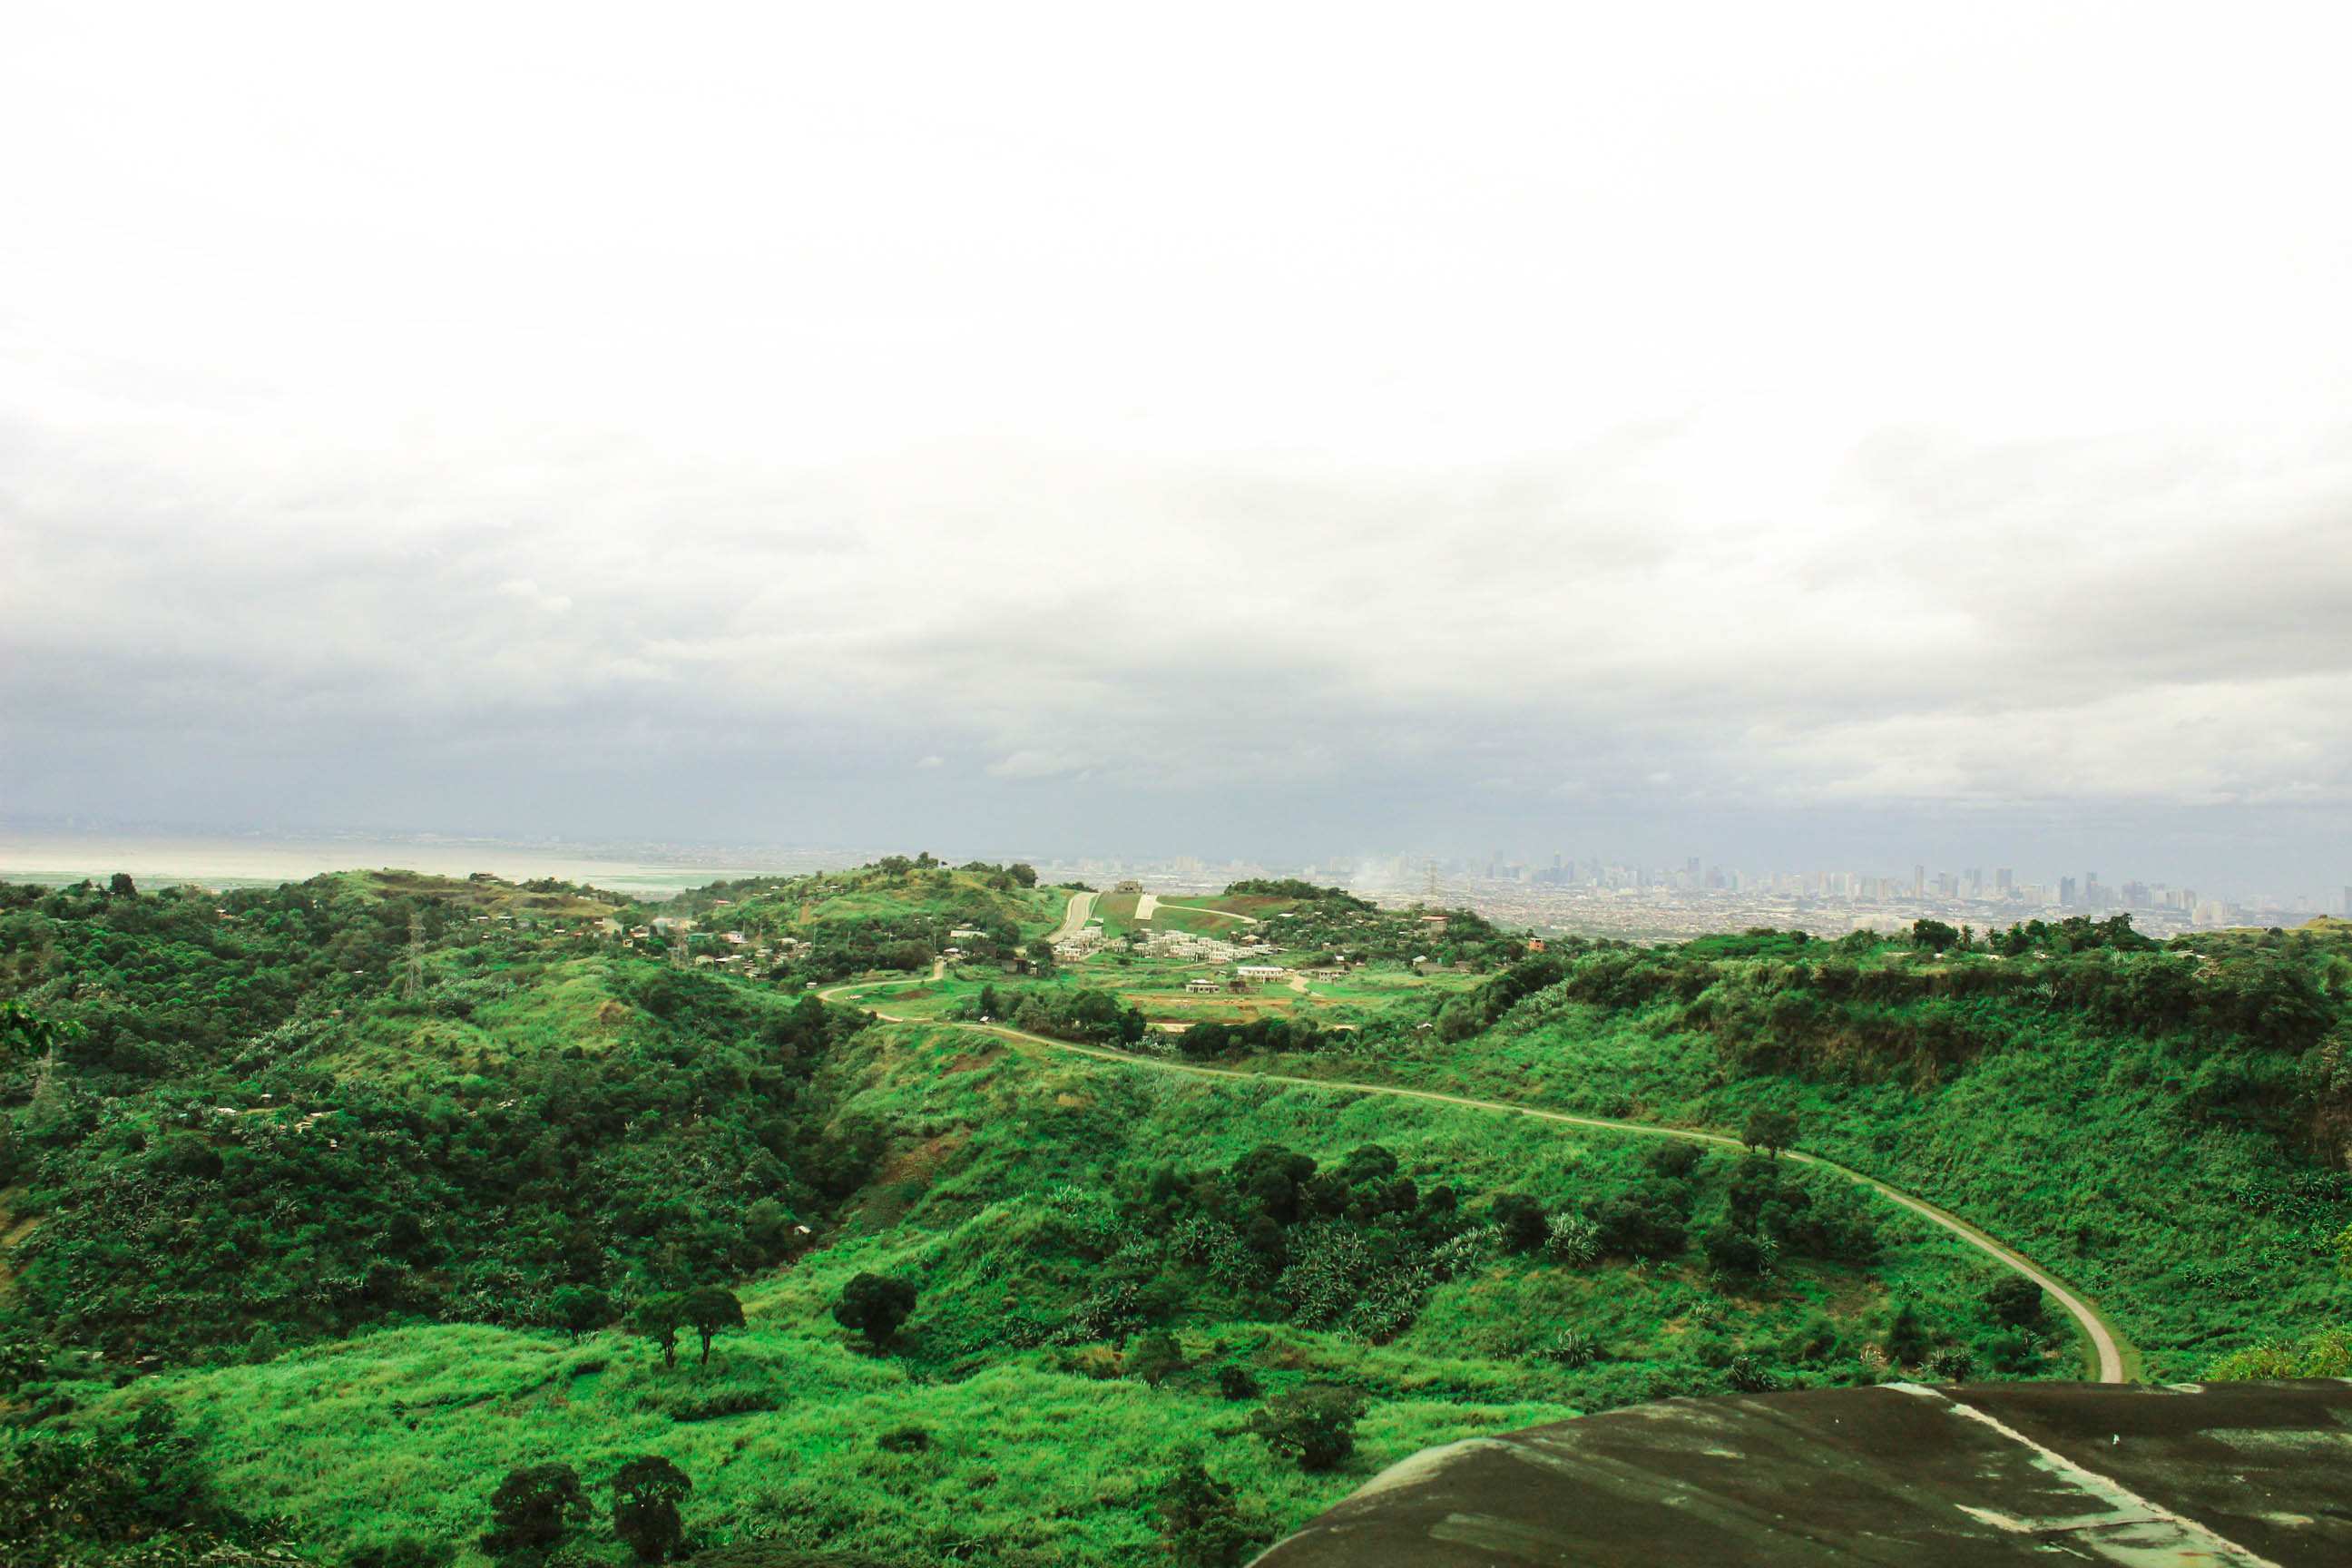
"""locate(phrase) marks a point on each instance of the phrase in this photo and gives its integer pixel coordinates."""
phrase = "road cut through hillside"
(2114, 1353)
(1074, 919)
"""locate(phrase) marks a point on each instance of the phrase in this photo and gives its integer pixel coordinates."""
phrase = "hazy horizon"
(1818, 438)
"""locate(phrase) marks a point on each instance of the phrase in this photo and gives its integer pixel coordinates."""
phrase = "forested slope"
(2165, 1125)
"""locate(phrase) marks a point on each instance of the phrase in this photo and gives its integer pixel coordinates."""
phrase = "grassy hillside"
(1030, 1202)
(304, 1182)
(2166, 1127)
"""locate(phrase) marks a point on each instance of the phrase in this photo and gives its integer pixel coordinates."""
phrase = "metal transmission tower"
(1432, 879)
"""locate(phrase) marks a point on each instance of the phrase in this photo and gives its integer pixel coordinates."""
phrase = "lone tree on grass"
(1315, 1425)
(534, 1508)
(874, 1305)
(708, 1309)
(658, 1319)
(1772, 1131)
(646, 1494)
(578, 1310)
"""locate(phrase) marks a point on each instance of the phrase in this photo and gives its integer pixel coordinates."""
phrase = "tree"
(1236, 1384)
(990, 1007)
(658, 1319)
(1041, 955)
(1769, 1129)
(874, 1305)
(1315, 1425)
(26, 1033)
(1934, 935)
(1023, 872)
(122, 887)
(578, 1310)
(709, 1309)
(1522, 1220)
(2015, 1300)
(646, 1494)
(264, 1346)
(1199, 1519)
(534, 1508)
(1731, 1250)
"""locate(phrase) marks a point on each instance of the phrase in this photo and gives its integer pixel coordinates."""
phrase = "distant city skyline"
(1691, 892)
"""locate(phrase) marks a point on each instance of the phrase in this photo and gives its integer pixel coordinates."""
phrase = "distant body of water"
(250, 861)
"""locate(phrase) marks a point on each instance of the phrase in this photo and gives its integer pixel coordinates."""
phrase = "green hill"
(329, 1205)
(320, 1169)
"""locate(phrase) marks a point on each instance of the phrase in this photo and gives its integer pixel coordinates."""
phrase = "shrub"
(1236, 1384)
(1733, 1251)
(1571, 1348)
(1521, 1220)
(1315, 1425)
(1573, 1240)
(1156, 1357)
(2323, 1354)
(874, 1305)
(1199, 1520)
(1747, 1375)
(2015, 1300)
(1951, 1365)
(903, 1440)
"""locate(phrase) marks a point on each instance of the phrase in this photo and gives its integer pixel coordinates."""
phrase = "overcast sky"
(1789, 434)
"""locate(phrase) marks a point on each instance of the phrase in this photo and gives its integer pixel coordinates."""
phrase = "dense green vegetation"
(440, 1221)
(349, 1134)
(2165, 1124)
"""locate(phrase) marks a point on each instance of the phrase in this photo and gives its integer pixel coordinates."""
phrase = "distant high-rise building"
(2348, 902)
(1919, 881)
(2003, 882)
(2093, 897)
(2066, 892)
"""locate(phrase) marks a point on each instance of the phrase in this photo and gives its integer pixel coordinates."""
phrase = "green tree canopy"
(534, 1508)
(658, 1319)
(709, 1309)
(874, 1305)
(646, 1494)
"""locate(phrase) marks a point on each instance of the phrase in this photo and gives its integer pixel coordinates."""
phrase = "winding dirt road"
(2112, 1350)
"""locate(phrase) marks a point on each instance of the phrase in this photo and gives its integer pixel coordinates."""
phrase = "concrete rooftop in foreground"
(2232, 1475)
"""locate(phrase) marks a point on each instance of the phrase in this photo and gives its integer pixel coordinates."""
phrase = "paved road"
(2112, 1349)
(1074, 919)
